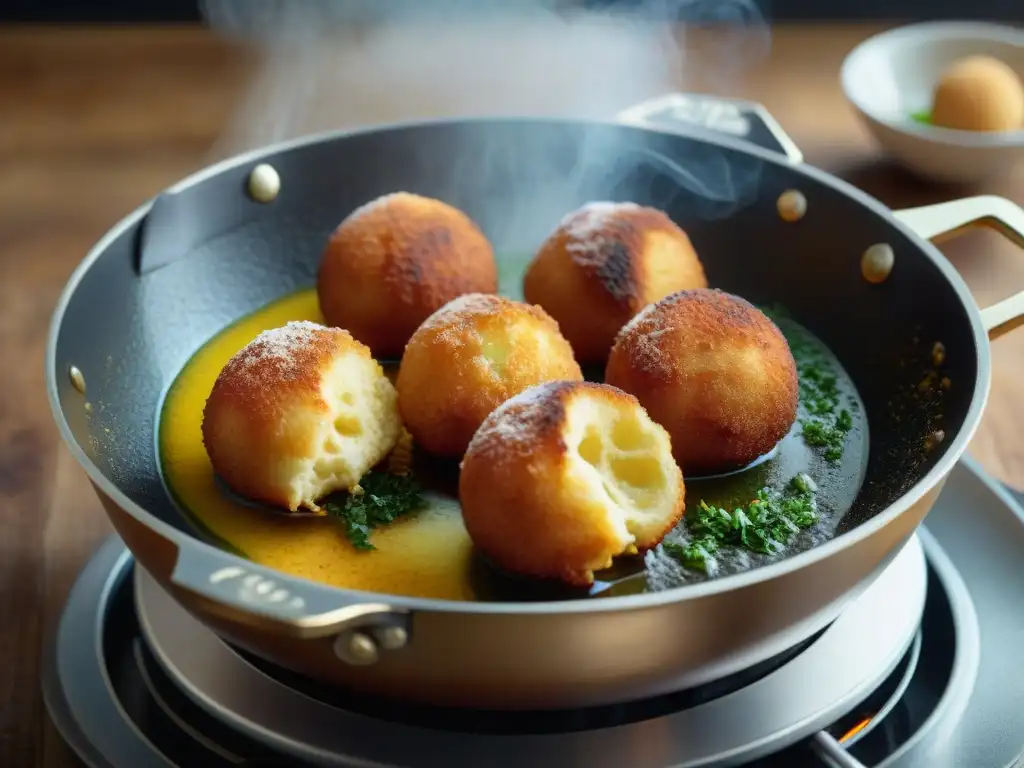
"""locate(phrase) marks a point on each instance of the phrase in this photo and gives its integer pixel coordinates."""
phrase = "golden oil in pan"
(429, 554)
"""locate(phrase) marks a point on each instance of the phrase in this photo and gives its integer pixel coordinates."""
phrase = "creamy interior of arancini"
(360, 429)
(627, 461)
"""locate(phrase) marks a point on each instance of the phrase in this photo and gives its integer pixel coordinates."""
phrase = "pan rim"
(952, 450)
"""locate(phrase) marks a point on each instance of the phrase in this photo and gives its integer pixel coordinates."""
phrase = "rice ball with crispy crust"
(468, 358)
(298, 413)
(566, 476)
(713, 370)
(603, 264)
(394, 261)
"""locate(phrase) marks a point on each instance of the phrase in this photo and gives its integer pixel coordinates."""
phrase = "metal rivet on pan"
(77, 379)
(264, 183)
(392, 638)
(356, 648)
(792, 205)
(877, 262)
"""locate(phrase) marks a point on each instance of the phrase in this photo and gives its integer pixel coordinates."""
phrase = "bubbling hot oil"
(429, 553)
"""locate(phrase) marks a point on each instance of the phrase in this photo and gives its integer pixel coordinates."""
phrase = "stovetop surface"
(139, 717)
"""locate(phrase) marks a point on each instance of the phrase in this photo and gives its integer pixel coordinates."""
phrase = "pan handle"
(736, 118)
(945, 221)
(215, 582)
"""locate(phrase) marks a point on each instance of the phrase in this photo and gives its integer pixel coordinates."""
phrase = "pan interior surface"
(517, 179)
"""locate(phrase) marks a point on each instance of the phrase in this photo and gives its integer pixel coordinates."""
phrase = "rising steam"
(344, 63)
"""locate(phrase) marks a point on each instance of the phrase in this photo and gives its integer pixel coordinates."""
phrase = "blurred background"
(127, 11)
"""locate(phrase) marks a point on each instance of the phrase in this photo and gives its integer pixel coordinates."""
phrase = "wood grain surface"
(93, 122)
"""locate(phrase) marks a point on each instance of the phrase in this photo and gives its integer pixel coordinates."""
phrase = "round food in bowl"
(892, 79)
(978, 93)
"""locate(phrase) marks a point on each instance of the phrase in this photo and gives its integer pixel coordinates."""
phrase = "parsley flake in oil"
(823, 422)
(765, 525)
(384, 498)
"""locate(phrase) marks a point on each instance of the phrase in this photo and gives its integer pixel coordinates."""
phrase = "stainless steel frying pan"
(204, 253)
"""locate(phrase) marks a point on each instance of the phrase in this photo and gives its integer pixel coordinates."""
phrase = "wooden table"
(94, 122)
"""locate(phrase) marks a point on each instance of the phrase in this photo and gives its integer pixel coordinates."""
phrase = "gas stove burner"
(889, 683)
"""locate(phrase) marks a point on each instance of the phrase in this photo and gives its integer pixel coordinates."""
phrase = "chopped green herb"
(384, 498)
(695, 554)
(766, 525)
(824, 424)
(844, 421)
(922, 116)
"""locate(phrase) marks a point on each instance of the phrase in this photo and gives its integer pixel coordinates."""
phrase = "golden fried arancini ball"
(715, 372)
(979, 93)
(566, 476)
(603, 264)
(300, 412)
(396, 260)
(468, 358)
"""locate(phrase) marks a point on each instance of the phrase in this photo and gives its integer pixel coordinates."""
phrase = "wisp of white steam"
(340, 64)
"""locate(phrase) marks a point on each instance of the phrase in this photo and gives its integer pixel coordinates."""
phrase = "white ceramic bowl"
(891, 76)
